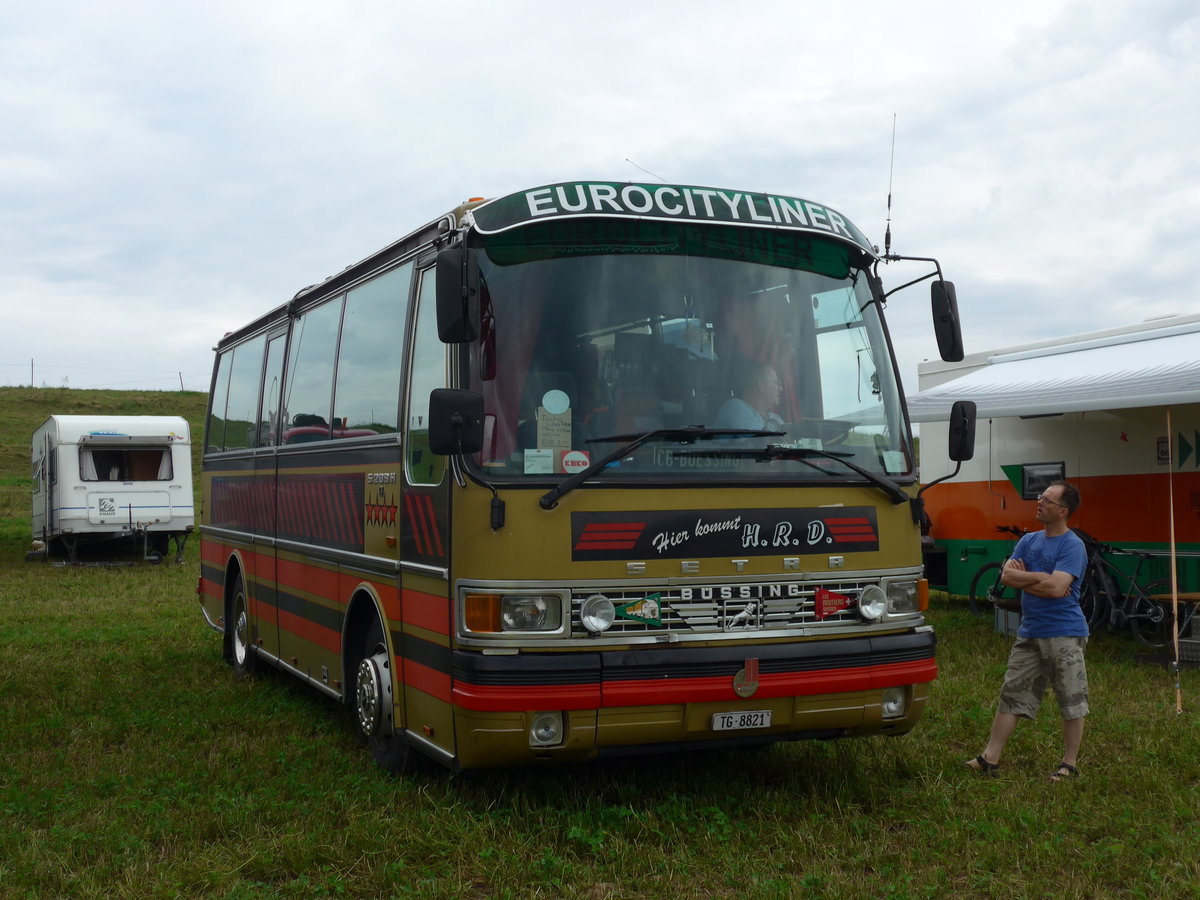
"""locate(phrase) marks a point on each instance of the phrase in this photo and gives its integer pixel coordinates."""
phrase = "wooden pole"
(1174, 575)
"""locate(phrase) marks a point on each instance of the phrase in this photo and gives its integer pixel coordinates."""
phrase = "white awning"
(1160, 367)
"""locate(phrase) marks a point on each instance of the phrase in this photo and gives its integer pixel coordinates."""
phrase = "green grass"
(137, 765)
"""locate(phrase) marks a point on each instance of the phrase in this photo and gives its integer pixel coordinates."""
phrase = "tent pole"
(1174, 575)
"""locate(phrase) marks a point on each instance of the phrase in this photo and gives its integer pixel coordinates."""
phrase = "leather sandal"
(1064, 772)
(983, 767)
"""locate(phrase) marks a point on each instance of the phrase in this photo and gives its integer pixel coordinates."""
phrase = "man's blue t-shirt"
(1043, 617)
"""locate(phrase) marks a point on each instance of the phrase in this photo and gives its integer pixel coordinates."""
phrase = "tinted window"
(308, 393)
(428, 372)
(235, 400)
(369, 361)
(220, 399)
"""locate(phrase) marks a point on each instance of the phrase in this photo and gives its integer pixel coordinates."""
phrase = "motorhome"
(97, 479)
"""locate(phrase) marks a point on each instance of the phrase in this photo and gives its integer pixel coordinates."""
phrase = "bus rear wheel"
(372, 702)
(241, 649)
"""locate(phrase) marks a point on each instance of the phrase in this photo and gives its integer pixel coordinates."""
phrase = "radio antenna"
(647, 171)
(887, 234)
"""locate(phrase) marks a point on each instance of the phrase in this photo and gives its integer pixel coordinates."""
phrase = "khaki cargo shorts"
(1035, 663)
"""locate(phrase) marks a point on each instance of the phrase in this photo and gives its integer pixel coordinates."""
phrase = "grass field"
(137, 765)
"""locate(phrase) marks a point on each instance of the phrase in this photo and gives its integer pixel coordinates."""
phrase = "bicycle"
(986, 586)
(1148, 620)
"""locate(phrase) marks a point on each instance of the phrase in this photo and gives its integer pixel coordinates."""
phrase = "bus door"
(265, 582)
(424, 644)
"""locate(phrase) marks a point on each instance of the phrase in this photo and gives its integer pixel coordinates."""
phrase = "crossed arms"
(1052, 586)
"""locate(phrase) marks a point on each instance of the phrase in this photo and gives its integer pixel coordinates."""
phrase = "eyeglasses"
(1044, 499)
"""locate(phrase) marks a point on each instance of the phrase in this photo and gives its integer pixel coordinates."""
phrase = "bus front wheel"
(372, 702)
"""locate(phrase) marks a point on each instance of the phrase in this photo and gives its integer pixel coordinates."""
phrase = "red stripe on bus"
(433, 526)
(305, 629)
(430, 681)
(784, 684)
(427, 611)
(414, 524)
(307, 578)
(596, 540)
(516, 698)
(419, 513)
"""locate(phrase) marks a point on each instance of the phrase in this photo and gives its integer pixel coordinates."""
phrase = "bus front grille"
(725, 609)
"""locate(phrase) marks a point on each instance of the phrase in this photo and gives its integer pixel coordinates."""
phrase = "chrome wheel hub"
(373, 700)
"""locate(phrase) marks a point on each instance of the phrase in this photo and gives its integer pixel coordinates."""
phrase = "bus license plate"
(733, 721)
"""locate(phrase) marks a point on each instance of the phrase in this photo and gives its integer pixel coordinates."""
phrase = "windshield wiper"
(631, 442)
(804, 454)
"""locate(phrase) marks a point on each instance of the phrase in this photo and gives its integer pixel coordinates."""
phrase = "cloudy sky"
(168, 171)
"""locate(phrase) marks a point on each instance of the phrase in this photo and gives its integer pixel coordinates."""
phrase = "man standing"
(1047, 567)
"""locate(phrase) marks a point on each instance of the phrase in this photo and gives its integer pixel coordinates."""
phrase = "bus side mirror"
(946, 323)
(962, 430)
(455, 422)
(457, 295)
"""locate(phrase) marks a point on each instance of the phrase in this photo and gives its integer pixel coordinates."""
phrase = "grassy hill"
(22, 410)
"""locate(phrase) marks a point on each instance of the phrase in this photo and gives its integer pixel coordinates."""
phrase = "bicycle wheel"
(1096, 596)
(1151, 620)
(986, 589)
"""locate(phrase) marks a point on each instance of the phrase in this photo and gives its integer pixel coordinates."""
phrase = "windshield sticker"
(539, 462)
(676, 534)
(664, 201)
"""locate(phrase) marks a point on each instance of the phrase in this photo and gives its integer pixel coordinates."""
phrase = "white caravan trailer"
(103, 478)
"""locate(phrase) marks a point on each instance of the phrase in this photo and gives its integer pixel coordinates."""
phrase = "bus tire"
(242, 655)
(371, 701)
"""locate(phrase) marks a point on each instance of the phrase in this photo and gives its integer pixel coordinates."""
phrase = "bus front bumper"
(651, 699)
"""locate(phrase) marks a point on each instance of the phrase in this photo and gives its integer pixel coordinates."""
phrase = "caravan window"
(125, 464)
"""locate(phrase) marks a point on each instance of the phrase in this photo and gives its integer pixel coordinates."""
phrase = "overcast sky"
(168, 171)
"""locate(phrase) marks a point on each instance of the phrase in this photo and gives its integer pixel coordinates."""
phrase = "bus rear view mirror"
(457, 295)
(946, 323)
(455, 422)
(962, 430)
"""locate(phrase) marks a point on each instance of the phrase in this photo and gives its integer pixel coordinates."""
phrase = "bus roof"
(664, 202)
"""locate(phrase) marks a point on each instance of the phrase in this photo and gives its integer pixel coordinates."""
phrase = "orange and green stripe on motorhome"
(1127, 511)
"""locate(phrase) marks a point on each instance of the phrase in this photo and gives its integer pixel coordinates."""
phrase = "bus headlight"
(493, 613)
(530, 613)
(546, 729)
(872, 603)
(597, 613)
(895, 702)
(902, 597)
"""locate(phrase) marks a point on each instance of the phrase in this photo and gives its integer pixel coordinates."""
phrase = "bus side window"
(308, 389)
(428, 371)
(367, 395)
(240, 403)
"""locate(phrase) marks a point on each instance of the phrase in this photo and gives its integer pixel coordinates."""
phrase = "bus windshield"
(587, 344)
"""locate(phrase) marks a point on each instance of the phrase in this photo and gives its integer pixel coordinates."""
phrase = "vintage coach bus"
(590, 469)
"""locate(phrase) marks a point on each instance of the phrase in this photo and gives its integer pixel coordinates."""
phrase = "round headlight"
(597, 613)
(546, 729)
(894, 702)
(872, 603)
